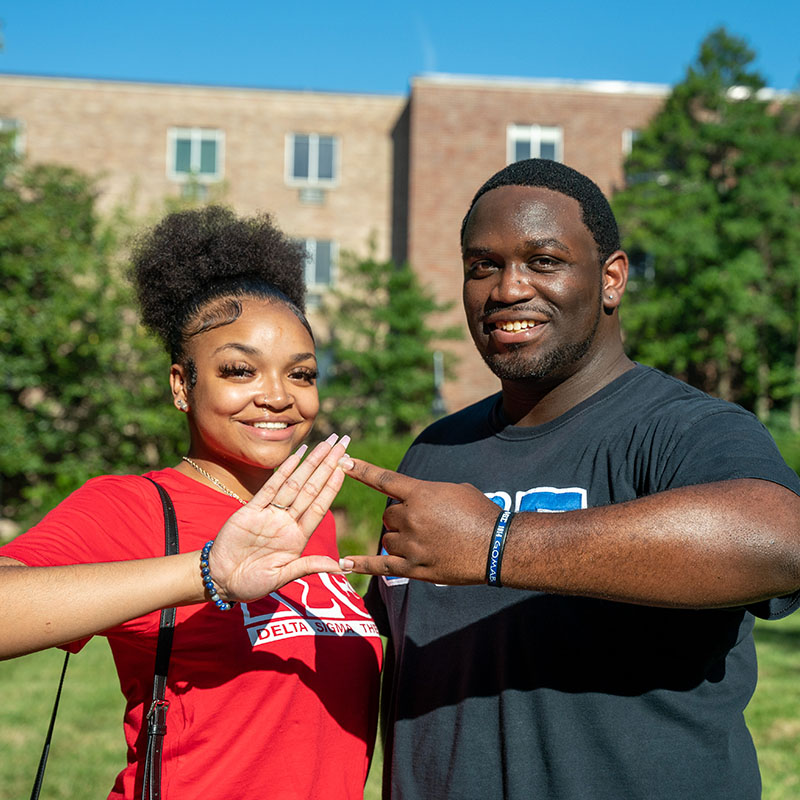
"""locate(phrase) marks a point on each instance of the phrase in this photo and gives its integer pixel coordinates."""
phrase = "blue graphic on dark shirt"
(541, 498)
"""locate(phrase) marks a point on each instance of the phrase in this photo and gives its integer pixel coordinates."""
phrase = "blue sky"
(378, 46)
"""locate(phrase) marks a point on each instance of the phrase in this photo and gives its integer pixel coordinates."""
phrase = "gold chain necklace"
(213, 480)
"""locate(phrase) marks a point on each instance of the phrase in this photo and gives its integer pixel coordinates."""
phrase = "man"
(618, 658)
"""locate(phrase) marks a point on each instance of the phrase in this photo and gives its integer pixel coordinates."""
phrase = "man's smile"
(518, 331)
(514, 325)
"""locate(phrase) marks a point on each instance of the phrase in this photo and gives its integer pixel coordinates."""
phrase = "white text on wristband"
(495, 559)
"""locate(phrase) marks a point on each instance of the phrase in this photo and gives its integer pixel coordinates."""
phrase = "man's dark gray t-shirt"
(503, 693)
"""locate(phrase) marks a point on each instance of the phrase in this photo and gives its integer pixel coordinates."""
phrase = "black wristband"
(495, 559)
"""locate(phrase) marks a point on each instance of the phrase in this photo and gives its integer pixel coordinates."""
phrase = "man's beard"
(513, 365)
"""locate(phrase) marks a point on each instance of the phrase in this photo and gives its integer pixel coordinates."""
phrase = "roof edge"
(138, 85)
(551, 84)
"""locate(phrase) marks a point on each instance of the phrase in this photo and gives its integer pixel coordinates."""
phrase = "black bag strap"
(157, 715)
(37, 784)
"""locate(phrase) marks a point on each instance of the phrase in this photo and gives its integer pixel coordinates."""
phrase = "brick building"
(338, 170)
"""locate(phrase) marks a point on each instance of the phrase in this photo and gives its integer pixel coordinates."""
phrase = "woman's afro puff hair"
(193, 256)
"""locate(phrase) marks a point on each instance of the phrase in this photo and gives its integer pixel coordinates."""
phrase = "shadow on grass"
(778, 637)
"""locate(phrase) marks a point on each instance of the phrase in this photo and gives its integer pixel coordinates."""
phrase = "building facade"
(344, 172)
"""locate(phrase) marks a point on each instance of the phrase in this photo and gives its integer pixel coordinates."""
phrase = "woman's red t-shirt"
(273, 699)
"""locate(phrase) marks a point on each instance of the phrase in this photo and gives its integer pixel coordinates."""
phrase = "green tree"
(381, 349)
(711, 212)
(84, 389)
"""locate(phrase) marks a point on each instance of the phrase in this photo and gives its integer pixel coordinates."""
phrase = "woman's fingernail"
(345, 462)
(344, 441)
(346, 564)
(300, 450)
(331, 440)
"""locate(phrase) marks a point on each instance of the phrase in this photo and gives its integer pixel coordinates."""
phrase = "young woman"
(274, 668)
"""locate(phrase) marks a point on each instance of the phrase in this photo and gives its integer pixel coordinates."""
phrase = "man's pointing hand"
(437, 532)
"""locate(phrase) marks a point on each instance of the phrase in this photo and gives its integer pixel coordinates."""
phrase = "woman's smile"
(269, 429)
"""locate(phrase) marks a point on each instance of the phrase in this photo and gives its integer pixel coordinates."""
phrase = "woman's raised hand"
(259, 549)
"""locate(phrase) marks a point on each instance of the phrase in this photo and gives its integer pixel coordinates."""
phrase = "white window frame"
(629, 136)
(534, 135)
(310, 244)
(18, 128)
(313, 179)
(196, 136)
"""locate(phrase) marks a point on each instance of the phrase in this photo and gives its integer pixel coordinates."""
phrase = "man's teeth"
(518, 325)
(273, 426)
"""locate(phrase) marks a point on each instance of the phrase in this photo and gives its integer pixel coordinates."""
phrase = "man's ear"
(614, 279)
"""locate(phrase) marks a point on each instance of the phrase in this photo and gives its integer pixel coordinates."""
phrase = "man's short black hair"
(595, 210)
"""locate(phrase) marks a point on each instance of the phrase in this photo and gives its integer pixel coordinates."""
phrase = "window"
(629, 136)
(320, 268)
(14, 127)
(641, 269)
(195, 153)
(534, 141)
(312, 160)
(319, 262)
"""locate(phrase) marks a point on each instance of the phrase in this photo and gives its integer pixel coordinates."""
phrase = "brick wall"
(118, 132)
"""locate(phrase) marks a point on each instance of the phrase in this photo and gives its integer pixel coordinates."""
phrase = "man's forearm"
(713, 545)
(720, 544)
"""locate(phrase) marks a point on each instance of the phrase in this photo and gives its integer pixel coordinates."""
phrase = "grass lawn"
(774, 712)
(88, 748)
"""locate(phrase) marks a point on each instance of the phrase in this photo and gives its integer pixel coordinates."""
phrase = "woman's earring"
(182, 405)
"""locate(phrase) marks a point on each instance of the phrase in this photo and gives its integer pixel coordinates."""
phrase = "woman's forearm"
(48, 606)
(258, 550)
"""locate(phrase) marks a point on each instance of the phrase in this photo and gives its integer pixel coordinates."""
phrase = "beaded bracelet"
(495, 559)
(208, 582)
